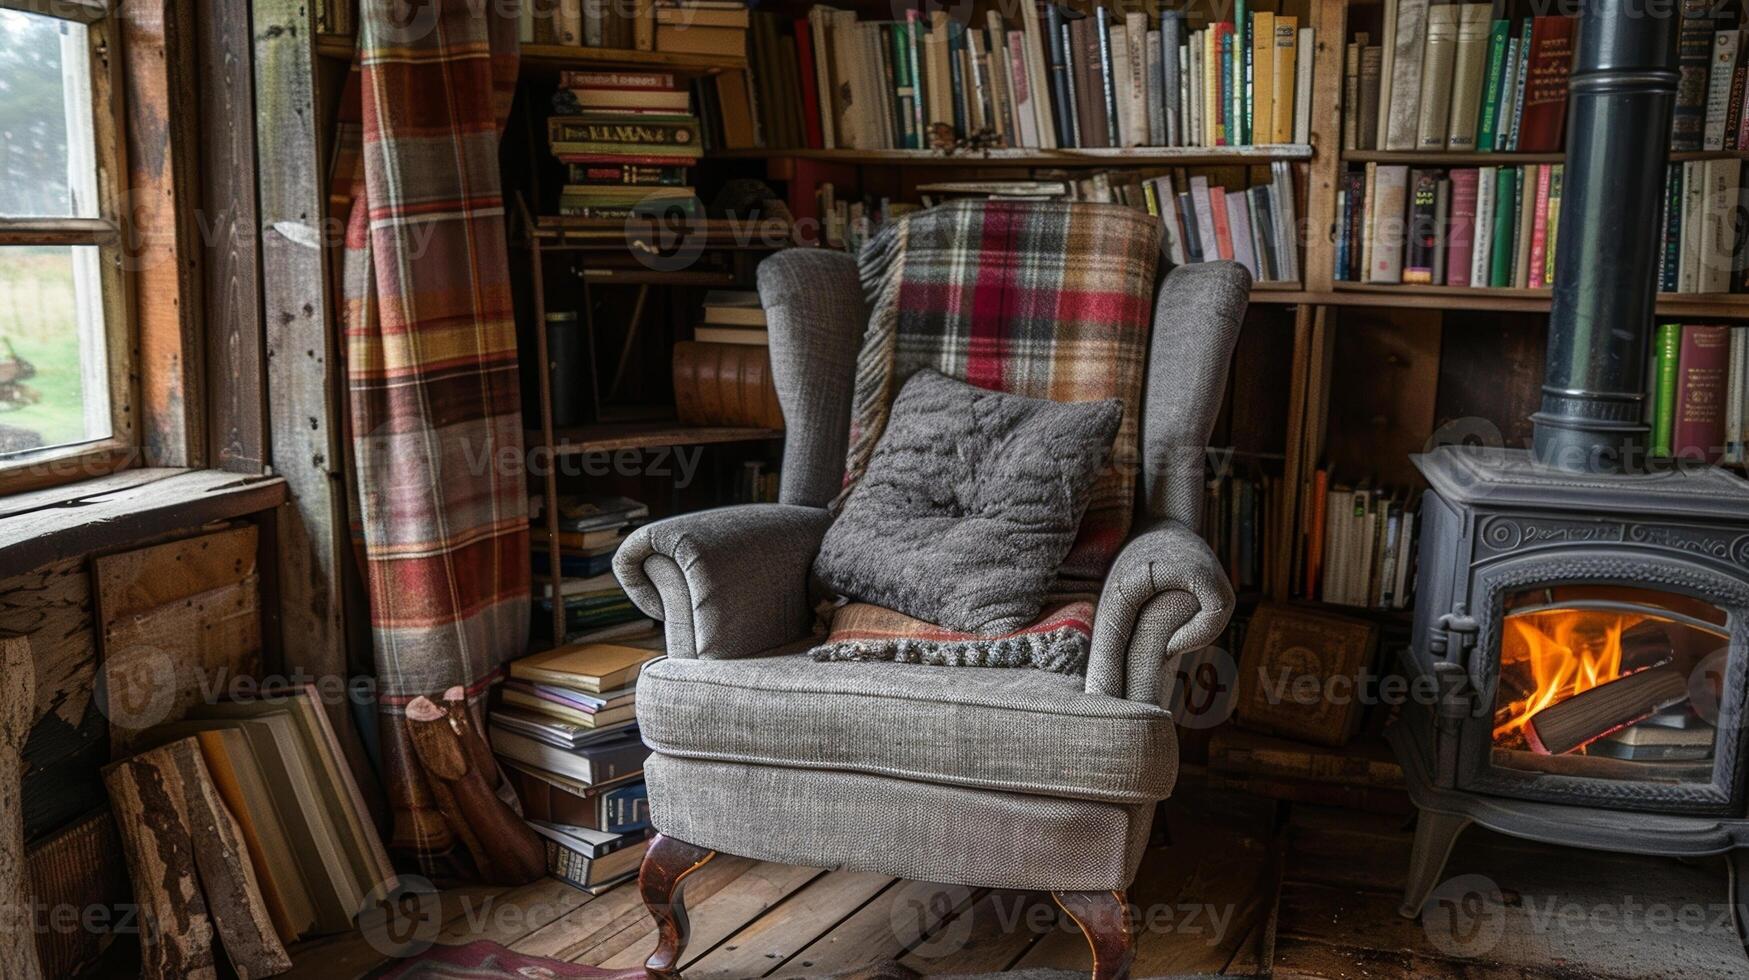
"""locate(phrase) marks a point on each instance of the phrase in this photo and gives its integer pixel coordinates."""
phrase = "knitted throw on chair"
(1042, 299)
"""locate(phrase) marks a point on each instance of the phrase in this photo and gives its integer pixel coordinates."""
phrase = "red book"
(1702, 370)
(1460, 235)
(1223, 228)
(1539, 229)
(1315, 532)
(1545, 85)
(810, 83)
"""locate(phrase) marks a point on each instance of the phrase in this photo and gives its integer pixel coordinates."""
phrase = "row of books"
(628, 140)
(1697, 404)
(1498, 226)
(1054, 77)
(590, 531)
(1357, 544)
(565, 734)
(278, 768)
(1454, 77)
(1241, 519)
(691, 26)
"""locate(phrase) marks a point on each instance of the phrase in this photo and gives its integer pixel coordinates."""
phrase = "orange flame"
(1559, 653)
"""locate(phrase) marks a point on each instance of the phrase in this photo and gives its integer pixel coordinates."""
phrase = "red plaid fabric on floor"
(431, 368)
(1042, 299)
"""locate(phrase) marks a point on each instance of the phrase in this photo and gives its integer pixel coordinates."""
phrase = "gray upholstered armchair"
(989, 777)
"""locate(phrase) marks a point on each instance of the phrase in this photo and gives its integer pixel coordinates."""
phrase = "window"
(65, 403)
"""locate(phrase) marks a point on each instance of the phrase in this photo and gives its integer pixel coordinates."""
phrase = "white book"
(1025, 109)
(1734, 395)
(1387, 57)
(1205, 221)
(1483, 236)
(1405, 551)
(1038, 77)
(1239, 229)
(1692, 252)
(1722, 180)
(1170, 234)
(1287, 221)
(1136, 92)
(1508, 98)
(1388, 201)
(1120, 75)
(1718, 93)
(1193, 90)
(1156, 91)
(1186, 101)
(1303, 87)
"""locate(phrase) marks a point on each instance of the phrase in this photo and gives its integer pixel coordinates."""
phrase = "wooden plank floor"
(1244, 887)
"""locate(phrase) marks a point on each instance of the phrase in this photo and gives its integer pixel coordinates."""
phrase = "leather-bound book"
(1404, 109)
(725, 384)
(1702, 370)
(1461, 234)
(1545, 87)
(1437, 66)
(1367, 135)
(1468, 80)
(1694, 53)
(1423, 235)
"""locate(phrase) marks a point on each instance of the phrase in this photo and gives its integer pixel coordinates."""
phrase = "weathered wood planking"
(303, 430)
(46, 526)
(231, 273)
(18, 955)
(774, 938)
(75, 872)
(162, 141)
(901, 917)
(133, 582)
(160, 663)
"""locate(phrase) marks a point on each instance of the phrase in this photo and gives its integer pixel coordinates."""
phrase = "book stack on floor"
(1697, 405)
(1255, 226)
(565, 733)
(1447, 78)
(628, 140)
(590, 531)
(1240, 519)
(279, 769)
(1356, 547)
(1046, 77)
(723, 375)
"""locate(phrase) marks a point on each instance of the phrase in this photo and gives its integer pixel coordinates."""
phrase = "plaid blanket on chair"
(1046, 300)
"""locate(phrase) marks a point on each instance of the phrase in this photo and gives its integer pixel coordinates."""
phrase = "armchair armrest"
(1166, 595)
(728, 582)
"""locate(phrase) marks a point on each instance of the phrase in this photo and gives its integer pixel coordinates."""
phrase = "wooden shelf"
(557, 57)
(1168, 156)
(1511, 300)
(336, 45)
(607, 437)
(1507, 159)
(649, 237)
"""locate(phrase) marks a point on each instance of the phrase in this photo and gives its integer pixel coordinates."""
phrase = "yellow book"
(1262, 76)
(591, 667)
(1211, 86)
(1285, 70)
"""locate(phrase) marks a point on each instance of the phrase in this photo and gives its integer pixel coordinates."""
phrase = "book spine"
(1722, 65)
(1461, 236)
(1441, 223)
(1423, 235)
(1388, 203)
(1154, 66)
(1439, 62)
(1228, 134)
(1072, 89)
(1490, 114)
(1303, 56)
(1694, 48)
(1351, 112)
(1698, 412)
(1171, 38)
(1734, 112)
(1519, 86)
(1285, 72)
(1539, 228)
(1505, 231)
(1469, 77)
(1669, 278)
(1556, 171)
(1734, 395)
(1667, 346)
(1404, 111)
(1108, 83)
(1063, 105)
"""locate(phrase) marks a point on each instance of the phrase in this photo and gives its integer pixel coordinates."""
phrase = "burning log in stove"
(1590, 715)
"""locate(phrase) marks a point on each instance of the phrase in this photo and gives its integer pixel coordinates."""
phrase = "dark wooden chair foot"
(660, 879)
(1104, 918)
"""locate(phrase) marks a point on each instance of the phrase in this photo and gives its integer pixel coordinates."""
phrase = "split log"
(192, 876)
(17, 710)
(1589, 715)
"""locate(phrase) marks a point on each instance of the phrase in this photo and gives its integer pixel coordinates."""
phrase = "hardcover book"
(1694, 50)
(1545, 93)
(1698, 412)
(1403, 110)
(1439, 61)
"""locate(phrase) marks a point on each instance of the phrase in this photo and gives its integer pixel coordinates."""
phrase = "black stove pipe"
(1621, 95)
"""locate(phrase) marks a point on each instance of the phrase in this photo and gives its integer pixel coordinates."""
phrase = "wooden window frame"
(108, 232)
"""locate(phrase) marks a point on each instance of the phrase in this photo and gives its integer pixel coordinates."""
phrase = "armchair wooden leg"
(1104, 920)
(660, 879)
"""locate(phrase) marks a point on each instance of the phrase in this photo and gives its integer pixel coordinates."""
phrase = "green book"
(1490, 117)
(904, 88)
(1505, 235)
(1666, 349)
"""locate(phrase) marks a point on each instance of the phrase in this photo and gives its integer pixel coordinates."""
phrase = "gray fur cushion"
(970, 502)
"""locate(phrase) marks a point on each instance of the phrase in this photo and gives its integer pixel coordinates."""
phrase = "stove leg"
(1435, 833)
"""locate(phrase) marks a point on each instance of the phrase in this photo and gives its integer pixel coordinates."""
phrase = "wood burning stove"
(1585, 621)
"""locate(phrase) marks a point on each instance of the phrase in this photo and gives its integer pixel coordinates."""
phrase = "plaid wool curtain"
(431, 369)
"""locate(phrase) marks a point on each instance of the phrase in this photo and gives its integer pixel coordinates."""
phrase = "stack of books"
(1357, 545)
(279, 769)
(586, 23)
(565, 733)
(629, 141)
(1050, 77)
(590, 531)
(723, 375)
(1453, 77)
(713, 27)
(1697, 406)
(1256, 226)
